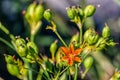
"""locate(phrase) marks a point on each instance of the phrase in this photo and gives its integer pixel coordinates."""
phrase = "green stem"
(7, 43)
(28, 65)
(79, 24)
(32, 37)
(61, 39)
(76, 72)
(84, 74)
(64, 70)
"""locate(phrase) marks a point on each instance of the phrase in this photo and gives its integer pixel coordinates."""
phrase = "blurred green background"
(11, 17)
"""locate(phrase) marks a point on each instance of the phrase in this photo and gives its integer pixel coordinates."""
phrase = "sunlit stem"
(7, 43)
(79, 24)
(63, 70)
(84, 74)
(60, 38)
(76, 72)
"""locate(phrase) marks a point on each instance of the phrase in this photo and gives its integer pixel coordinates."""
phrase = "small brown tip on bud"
(27, 39)
(23, 12)
(17, 37)
(56, 41)
(5, 54)
(14, 57)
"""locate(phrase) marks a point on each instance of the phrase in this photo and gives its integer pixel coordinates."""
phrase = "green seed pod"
(106, 31)
(89, 10)
(112, 44)
(30, 58)
(80, 12)
(91, 36)
(22, 50)
(87, 33)
(71, 13)
(100, 41)
(47, 15)
(101, 47)
(92, 39)
(39, 10)
(19, 42)
(88, 62)
(9, 59)
(13, 69)
(53, 48)
(75, 38)
(31, 10)
(32, 48)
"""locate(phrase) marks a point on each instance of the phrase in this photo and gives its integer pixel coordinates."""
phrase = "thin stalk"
(61, 39)
(80, 29)
(76, 72)
(28, 65)
(7, 43)
(64, 70)
(32, 37)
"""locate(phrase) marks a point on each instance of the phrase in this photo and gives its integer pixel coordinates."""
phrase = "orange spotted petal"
(78, 51)
(65, 58)
(77, 59)
(71, 48)
(65, 50)
(70, 62)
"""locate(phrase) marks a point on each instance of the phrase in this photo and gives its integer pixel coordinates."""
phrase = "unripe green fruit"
(13, 69)
(19, 42)
(31, 9)
(88, 62)
(32, 48)
(75, 38)
(39, 10)
(100, 41)
(22, 50)
(47, 15)
(53, 48)
(91, 36)
(92, 39)
(87, 33)
(89, 10)
(71, 13)
(9, 59)
(80, 12)
(106, 31)
(101, 47)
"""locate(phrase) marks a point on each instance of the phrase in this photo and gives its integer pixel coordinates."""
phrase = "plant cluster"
(65, 61)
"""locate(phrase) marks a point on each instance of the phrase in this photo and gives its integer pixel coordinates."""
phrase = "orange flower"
(71, 55)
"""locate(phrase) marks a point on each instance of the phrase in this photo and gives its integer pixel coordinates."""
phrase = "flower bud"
(19, 41)
(31, 10)
(101, 44)
(87, 33)
(75, 38)
(53, 48)
(22, 50)
(39, 10)
(91, 36)
(89, 10)
(71, 13)
(9, 59)
(112, 44)
(101, 47)
(47, 15)
(32, 48)
(88, 62)
(13, 69)
(80, 12)
(106, 31)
